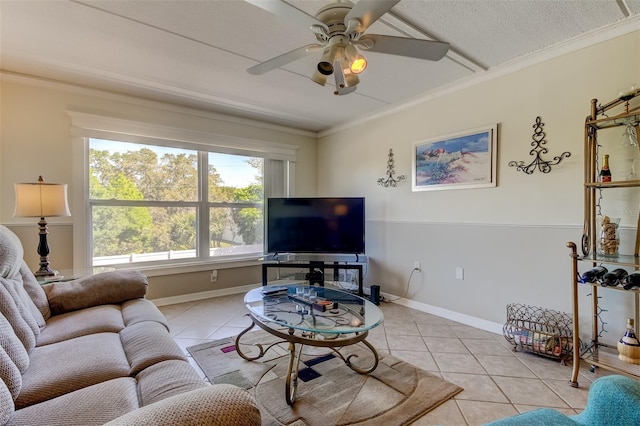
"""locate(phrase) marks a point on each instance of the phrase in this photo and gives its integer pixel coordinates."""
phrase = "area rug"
(329, 392)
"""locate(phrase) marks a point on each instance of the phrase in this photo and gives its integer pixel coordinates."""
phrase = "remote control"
(274, 290)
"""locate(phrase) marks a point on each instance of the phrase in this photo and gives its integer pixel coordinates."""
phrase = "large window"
(152, 203)
(169, 197)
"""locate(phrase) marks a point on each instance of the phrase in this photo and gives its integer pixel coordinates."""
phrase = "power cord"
(407, 290)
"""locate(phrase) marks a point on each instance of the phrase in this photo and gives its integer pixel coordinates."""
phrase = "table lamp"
(42, 200)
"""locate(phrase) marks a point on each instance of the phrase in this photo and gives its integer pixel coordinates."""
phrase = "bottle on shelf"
(593, 275)
(615, 277)
(605, 172)
(633, 280)
(629, 345)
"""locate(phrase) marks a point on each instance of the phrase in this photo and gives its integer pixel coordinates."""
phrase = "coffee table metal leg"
(263, 350)
(359, 370)
(291, 383)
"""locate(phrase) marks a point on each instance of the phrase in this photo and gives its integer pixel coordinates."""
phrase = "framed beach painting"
(458, 161)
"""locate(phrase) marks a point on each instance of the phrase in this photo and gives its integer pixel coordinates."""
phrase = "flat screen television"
(315, 225)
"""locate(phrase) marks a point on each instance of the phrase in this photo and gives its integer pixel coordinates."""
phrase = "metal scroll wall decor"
(538, 149)
(390, 180)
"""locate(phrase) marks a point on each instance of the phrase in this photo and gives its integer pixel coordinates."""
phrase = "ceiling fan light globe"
(358, 65)
(352, 80)
(319, 78)
(325, 68)
(349, 78)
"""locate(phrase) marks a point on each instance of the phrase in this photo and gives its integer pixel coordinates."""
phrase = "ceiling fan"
(340, 30)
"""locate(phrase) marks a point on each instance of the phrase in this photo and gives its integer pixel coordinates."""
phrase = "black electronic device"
(316, 225)
(375, 294)
(315, 277)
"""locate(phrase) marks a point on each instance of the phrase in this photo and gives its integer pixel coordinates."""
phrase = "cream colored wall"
(510, 239)
(60, 241)
(35, 140)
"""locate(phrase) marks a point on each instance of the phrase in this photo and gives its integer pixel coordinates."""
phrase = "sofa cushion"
(612, 400)
(11, 263)
(10, 374)
(139, 310)
(70, 365)
(537, 417)
(147, 343)
(22, 323)
(97, 319)
(28, 309)
(11, 253)
(6, 403)
(166, 379)
(100, 289)
(35, 291)
(219, 405)
(93, 405)
(12, 345)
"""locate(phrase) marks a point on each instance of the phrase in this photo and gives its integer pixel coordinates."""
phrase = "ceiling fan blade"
(288, 12)
(283, 59)
(412, 47)
(368, 12)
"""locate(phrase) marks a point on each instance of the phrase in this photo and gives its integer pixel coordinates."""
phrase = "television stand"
(316, 271)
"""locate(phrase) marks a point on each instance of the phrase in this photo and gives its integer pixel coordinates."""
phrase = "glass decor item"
(628, 345)
(629, 136)
(609, 241)
(632, 169)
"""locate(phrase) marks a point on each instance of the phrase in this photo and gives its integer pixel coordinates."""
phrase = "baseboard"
(489, 326)
(194, 297)
(423, 307)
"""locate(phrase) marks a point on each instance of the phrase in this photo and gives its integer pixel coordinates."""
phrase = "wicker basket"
(538, 330)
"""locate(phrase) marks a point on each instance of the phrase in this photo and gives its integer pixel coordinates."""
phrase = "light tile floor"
(497, 382)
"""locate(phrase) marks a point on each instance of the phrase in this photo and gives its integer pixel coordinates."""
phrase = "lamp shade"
(41, 199)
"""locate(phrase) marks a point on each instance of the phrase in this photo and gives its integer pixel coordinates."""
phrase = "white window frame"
(278, 175)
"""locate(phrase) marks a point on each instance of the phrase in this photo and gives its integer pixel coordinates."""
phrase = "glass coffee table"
(305, 315)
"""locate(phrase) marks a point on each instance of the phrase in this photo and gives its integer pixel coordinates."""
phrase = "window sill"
(185, 268)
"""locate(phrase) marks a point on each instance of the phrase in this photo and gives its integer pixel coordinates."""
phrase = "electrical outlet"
(416, 266)
(214, 275)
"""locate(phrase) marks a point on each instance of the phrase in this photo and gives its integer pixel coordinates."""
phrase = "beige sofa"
(94, 351)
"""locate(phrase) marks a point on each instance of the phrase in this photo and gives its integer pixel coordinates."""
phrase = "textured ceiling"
(195, 53)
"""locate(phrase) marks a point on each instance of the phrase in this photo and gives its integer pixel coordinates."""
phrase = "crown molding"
(49, 83)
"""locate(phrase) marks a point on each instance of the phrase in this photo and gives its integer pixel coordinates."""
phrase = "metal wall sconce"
(390, 180)
(538, 148)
